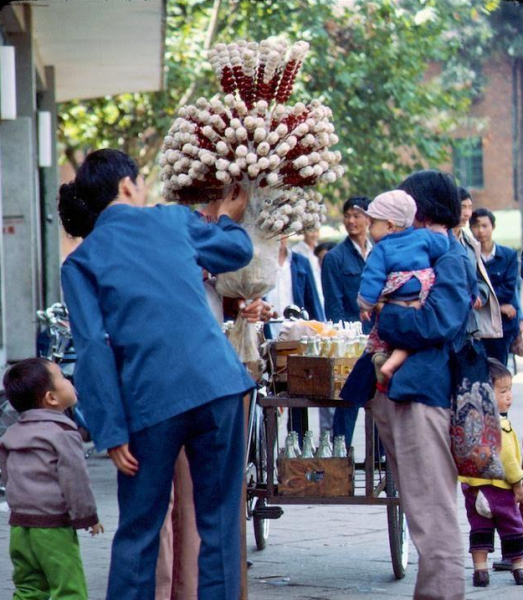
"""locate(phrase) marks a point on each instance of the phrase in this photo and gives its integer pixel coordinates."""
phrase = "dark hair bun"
(95, 187)
(77, 218)
(436, 195)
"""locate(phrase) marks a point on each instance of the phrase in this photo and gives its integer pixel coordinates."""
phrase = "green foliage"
(368, 61)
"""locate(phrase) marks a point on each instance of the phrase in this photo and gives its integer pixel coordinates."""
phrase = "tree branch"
(70, 155)
(209, 39)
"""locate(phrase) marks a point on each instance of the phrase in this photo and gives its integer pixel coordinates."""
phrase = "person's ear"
(391, 226)
(49, 400)
(126, 188)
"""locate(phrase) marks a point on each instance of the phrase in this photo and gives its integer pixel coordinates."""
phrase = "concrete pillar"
(48, 193)
(20, 207)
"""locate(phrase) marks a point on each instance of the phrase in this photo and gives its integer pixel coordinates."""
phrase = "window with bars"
(467, 162)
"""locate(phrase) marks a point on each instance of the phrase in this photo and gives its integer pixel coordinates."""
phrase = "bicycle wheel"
(398, 530)
(259, 449)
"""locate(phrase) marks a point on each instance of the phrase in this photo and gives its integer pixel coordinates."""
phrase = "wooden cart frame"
(263, 499)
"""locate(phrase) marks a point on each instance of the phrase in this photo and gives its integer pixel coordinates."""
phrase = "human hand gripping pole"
(234, 204)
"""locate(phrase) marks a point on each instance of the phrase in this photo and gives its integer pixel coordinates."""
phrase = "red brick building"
(486, 154)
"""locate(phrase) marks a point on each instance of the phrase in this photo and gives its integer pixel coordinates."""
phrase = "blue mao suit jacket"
(503, 273)
(340, 277)
(431, 332)
(138, 278)
(304, 289)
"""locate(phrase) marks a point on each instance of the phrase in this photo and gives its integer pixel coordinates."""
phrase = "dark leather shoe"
(518, 576)
(480, 579)
(502, 565)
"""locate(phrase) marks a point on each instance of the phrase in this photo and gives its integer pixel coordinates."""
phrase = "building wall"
(491, 118)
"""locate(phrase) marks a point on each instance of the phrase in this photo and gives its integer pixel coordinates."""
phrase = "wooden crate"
(318, 477)
(317, 377)
(280, 353)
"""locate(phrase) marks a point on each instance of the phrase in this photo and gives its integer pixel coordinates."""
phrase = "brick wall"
(494, 111)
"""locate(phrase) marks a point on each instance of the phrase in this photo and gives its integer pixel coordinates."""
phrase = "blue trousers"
(213, 435)
(344, 423)
(500, 347)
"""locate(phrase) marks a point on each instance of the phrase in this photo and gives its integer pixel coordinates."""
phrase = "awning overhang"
(100, 47)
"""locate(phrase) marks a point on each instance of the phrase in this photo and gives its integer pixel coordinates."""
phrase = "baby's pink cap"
(396, 206)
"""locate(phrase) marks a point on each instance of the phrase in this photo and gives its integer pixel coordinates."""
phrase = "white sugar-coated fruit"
(260, 134)
(234, 169)
(230, 134)
(207, 158)
(184, 180)
(241, 151)
(307, 172)
(272, 178)
(251, 158)
(223, 176)
(222, 148)
(222, 164)
(263, 149)
(241, 134)
(253, 170)
(274, 161)
(282, 149)
(250, 123)
(263, 163)
(300, 162)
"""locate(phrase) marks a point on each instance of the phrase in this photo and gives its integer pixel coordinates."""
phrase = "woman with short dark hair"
(414, 418)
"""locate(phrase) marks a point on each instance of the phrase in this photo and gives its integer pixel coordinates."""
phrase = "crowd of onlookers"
(161, 385)
(337, 269)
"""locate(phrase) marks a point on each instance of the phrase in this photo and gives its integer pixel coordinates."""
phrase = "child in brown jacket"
(47, 486)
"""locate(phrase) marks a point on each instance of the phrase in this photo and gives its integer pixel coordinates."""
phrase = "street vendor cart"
(274, 481)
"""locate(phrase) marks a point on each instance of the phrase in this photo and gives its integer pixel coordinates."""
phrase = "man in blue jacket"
(502, 267)
(340, 276)
(343, 265)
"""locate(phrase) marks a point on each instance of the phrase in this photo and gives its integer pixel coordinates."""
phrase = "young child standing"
(399, 268)
(47, 486)
(492, 504)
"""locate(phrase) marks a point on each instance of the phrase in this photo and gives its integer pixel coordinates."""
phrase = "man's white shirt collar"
(487, 257)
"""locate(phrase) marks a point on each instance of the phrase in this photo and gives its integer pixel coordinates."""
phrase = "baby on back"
(399, 268)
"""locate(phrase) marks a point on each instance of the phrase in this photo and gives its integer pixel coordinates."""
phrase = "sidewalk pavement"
(313, 552)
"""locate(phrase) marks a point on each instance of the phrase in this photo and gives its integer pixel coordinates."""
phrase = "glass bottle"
(325, 346)
(289, 447)
(304, 346)
(296, 443)
(324, 449)
(312, 347)
(308, 445)
(340, 449)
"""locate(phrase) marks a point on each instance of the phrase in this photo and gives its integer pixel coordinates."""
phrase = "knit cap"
(396, 206)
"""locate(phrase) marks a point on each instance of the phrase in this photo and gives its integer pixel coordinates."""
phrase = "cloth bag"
(475, 430)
